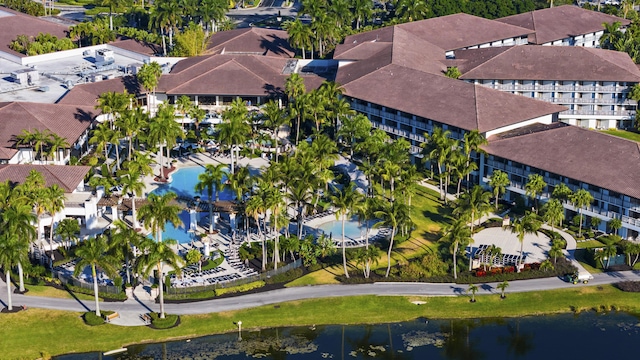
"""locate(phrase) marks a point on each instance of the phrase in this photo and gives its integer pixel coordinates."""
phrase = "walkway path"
(130, 310)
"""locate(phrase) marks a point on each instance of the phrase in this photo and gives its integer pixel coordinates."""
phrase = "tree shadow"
(73, 295)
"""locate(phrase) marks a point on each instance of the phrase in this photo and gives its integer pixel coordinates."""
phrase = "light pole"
(239, 330)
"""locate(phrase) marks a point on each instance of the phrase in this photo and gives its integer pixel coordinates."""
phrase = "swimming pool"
(183, 183)
(353, 229)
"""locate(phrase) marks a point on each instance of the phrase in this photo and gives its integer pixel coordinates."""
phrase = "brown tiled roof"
(461, 30)
(251, 75)
(592, 157)
(16, 23)
(256, 41)
(436, 97)
(87, 94)
(534, 62)
(137, 46)
(561, 22)
(67, 177)
(68, 121)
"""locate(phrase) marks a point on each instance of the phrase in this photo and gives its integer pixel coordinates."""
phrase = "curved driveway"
(309, 292)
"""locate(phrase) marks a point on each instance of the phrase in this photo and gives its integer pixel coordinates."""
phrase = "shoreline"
(354, 310)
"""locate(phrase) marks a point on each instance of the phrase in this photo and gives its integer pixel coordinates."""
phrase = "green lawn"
(427, 213)
(629, 135)
(28, 333)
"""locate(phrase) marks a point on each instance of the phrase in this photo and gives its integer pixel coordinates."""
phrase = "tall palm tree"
(300, 35)
(254, 208)
(16, 219)
(165, 15)
(211, 181)
(345, 201)
(113, 5)
(362, 11)
(391, 214)
(534, 187)
(476, 203)
(112, 103)
(553, 213)
(12, 252)
(93, 252)
(162, 132)
(612, 34)
(154, 255)
(149, 76)
(528, 224)
(499, 181)
(133, 185)
(581, 199)
(295, 89)
(101, 137)
(130, 123)
(437, 148)
(122, 239)
(158, 211)
(274, 201)
(615, 224)
(211, 12)
(275, 118)
(457, 234)
(54, 203)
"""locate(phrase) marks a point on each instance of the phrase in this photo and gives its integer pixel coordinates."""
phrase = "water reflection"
(526, 338)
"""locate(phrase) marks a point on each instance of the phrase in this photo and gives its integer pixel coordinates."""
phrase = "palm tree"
(301, 196)
(154, 255)
(54, 203)
(274, 201)
(555, 251)
(438, 147)
(522, 226)
(68, 229)
(13, 251)
(254, 208)
(112, 103)
(211, 180)
(161, 132)
(345, 200)
(57, 143)
(133, 185)
(122, 239)
(476, 203)
(457, 235)
(113, 5)
(391, 214)
(16, 219)
(502, 287)
(553, 213)
(295, 90)
(101, 136)
(300, 35)
(612, 34)
(471, 143)
(93, 252)
(130, 123)
(367, 256)
(158, 211)
(149, 76)
(275, 118)
(534, 187)
(561, 192)
(211, 12)
(615, 224)
(499, 181)
(473, 289)
(581, 199)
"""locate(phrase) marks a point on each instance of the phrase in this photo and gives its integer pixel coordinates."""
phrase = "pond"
(567, 336)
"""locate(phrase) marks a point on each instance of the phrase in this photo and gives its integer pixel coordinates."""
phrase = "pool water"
(352, 228)
(183, 184)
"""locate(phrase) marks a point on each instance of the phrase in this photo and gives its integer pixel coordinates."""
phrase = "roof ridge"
(202, 73)
(491, 58)
(48, 168)
(475, 103)
(600, 56)
(252, 72)
(533, 23)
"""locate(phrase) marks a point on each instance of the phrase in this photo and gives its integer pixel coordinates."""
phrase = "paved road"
(308, 292)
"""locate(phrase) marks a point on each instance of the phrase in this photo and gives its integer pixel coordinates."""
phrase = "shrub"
(285, 277)
(239, 288)
(169, 321)
(121, 296)
(629, 286)
(90, 318)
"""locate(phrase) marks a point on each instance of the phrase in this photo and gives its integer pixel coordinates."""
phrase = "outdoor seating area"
(68, 269)
(484, 255)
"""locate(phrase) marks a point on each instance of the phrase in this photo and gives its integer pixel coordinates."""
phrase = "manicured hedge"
(121, 296)
(90, 318)
(168, 322)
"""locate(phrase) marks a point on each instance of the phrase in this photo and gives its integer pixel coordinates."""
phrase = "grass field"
(629, 135)
(51, 292)
(29, 333)
(428, 215)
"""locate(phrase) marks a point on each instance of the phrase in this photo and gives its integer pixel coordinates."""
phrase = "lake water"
(567, 336)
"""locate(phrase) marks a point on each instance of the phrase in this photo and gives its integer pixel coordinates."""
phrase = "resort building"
(565, 25)
(66, 126)
(80, 203)
(593, 84)
(607, 166)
